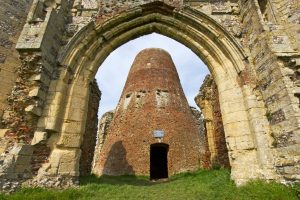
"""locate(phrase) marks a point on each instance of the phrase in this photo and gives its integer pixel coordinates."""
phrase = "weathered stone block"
(230, 143)
(37, 92)
(69, 169)
(237, 128)
(52, 123)
(39, 137)
(33, 110)
(76, 114)
(232, 117)
(73, 127)
(41, 78)
(70, 140)
(244, 142)
(78, 102)
(260, 125)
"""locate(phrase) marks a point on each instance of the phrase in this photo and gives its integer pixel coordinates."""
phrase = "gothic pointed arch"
(223, 55)
(250, 47)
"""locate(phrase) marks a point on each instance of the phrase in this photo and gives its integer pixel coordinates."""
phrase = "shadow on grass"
(117, 180)
(205, 175)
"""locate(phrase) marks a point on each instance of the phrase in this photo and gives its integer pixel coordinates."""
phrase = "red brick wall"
(152, 99)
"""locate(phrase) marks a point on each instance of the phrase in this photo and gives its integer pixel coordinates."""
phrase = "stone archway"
(224, 57)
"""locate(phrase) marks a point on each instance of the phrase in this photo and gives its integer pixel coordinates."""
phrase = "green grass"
(204, 184)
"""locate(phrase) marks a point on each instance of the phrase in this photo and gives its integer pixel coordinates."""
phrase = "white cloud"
(113, 72)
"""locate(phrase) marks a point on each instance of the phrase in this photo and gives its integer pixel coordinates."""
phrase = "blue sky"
(112, 74)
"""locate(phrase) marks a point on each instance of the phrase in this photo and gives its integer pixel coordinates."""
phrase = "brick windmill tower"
(153, 131)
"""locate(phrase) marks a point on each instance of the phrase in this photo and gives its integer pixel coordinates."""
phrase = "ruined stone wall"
(13, 15)
(110, 8)
(203, 137)
(257, 46)
(289, 11)
(208, 101)
(38, 46)
(274, 53)
(227, 13)
(103, 126)
(272, 73)
(84, 11)
(15, 167)
(90, 135)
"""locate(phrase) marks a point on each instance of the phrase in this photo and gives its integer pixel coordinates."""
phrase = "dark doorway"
(159, 161)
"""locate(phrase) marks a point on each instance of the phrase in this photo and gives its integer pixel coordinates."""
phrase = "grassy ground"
(212, 184)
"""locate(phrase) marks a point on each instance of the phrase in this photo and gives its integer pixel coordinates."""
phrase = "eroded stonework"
(250, 47)
(88, 145)
(103, 125)
(208, 102)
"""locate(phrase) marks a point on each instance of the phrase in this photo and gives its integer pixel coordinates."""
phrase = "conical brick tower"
(153, 131)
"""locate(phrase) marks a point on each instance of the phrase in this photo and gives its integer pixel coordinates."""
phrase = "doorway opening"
(159, 161)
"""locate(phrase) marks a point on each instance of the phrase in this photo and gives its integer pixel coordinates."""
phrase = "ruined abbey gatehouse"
(50, 51)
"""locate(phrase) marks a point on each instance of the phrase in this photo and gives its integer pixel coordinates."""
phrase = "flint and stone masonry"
(252, 49)
(152, 100)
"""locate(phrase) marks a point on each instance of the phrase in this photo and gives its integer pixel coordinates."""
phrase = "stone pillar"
(208, 101)
(90, 135)
(103, 126)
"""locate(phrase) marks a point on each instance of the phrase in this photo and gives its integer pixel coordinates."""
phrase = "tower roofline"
(154, 49)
